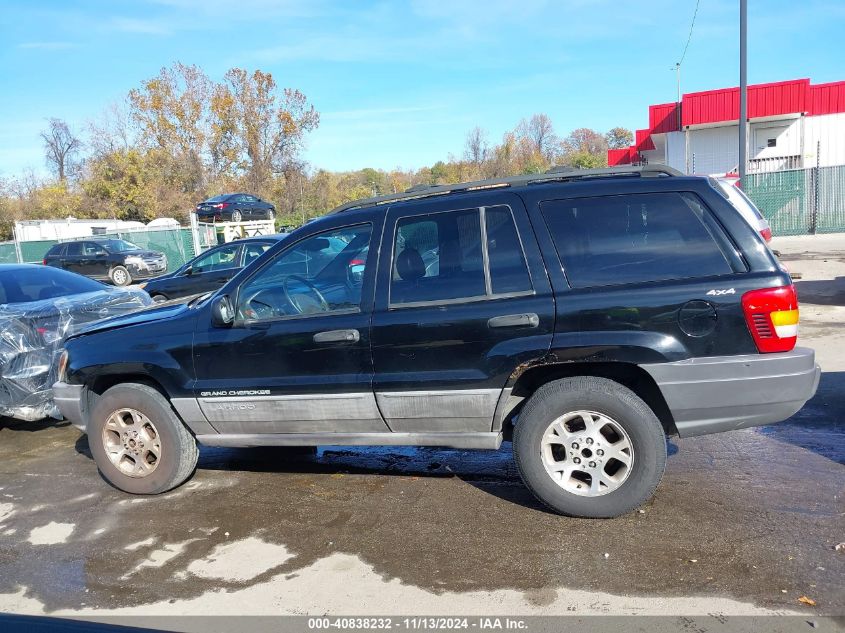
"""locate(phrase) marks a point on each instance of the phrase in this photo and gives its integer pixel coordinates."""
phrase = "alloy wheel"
(132, 443)
(587, 453)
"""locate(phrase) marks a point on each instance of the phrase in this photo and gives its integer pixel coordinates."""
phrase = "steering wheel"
(252, 309)
(297, 305)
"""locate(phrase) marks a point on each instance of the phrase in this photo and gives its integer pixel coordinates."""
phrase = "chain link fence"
(800, 201)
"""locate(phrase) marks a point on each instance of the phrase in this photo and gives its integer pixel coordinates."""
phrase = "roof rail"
(552, 175)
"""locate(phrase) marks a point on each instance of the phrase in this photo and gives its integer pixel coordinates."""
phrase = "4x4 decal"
(720, 292)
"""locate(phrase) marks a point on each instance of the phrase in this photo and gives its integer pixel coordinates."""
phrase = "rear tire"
(573, 439)
(120, 276)
(159, 298)
(271, 215)
(138, 442)
(236, 216)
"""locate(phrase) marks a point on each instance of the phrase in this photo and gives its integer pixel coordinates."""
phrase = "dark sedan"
(209, 271)
(234, 207)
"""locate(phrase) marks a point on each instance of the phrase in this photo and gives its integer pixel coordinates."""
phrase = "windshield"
(119, 246)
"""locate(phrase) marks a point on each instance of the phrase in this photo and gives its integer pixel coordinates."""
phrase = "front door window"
(320, 274)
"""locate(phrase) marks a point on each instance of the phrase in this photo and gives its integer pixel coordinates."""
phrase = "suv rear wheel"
(589, 447)
(138, 442)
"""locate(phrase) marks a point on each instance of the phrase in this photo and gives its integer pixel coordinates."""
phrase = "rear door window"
(74, 249)
(611, 240)
(462, 255)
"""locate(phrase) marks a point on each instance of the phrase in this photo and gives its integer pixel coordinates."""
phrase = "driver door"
(297, 359)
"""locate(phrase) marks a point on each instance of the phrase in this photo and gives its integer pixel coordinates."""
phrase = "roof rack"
(555, 174)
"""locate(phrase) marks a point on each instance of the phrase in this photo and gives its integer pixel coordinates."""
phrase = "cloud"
(47, 46)
(140, 25)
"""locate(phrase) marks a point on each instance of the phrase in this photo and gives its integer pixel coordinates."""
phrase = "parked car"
(584, 315)
(210, 270)
(737, 197)
(234, 207)
(107, 259)
(39, 307)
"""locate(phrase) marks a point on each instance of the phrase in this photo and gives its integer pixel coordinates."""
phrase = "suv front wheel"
(138, 442)
(589, 447)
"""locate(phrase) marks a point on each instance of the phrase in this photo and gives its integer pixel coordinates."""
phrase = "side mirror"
(222, 312)
(188, 271)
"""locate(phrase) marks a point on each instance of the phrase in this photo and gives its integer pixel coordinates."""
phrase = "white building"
(791, 125)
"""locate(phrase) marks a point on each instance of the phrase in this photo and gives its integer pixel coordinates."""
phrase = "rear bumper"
(69, 401)
(723, 393)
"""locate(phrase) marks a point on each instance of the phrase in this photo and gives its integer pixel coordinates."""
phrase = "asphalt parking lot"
(743, 523)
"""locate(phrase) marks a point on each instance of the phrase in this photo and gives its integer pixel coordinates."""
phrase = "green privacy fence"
(177, 244)
(800, 201)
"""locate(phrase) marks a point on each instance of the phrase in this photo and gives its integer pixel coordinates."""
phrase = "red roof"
(663, 118)
(618, 156)
(717, 106)
(827, 98)
(643, 142)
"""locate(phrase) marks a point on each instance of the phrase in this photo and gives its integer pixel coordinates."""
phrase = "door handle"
(337, 336)
(528, 319)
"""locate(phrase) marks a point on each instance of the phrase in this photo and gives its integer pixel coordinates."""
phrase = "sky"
(400, 83)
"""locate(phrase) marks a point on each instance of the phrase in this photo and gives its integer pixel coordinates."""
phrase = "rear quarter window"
(612, 240)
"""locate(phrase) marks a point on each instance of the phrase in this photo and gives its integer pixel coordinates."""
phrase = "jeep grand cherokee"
(586, 315)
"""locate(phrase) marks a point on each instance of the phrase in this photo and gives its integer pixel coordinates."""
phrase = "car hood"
(146, 315)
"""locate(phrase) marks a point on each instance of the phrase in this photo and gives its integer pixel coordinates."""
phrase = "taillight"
(767, 235)
(772, 317)
(44, 261)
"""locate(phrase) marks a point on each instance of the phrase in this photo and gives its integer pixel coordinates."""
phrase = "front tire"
(120, 276)
(271, 215)
(138, 442)
(589, 447)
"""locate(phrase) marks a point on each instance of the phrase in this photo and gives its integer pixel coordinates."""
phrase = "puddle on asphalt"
(442, 522)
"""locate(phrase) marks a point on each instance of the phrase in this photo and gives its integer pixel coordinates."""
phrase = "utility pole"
(743, 89)
(678, 80)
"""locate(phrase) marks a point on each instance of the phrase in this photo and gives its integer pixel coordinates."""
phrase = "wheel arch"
(526, 380)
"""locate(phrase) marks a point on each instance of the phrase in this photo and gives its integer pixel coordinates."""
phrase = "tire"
(159, 298)
(120, 276)
(617, 419)
(236, 216)
(271, 215)
(176, 447)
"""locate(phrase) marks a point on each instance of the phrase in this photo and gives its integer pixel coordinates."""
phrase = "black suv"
(210, 270)
(115, 260)
(234, 207)
(585, 315)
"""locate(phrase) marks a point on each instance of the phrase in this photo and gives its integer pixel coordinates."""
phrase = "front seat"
(411, 268)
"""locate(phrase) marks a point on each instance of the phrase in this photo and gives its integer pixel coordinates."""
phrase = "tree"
(584, 148)
(60, 148)
(257, 130)
(171, 111)
(619, 137)
(540, 132)
(476, 147)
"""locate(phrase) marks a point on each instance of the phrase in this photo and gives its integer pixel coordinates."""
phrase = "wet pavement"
(750, 517)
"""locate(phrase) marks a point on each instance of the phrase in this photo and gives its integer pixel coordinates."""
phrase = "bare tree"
(60, 147)
(541, 133)
(477, 147)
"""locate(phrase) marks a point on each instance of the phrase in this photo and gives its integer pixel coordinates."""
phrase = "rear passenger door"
(462, 299)
(73, 259)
